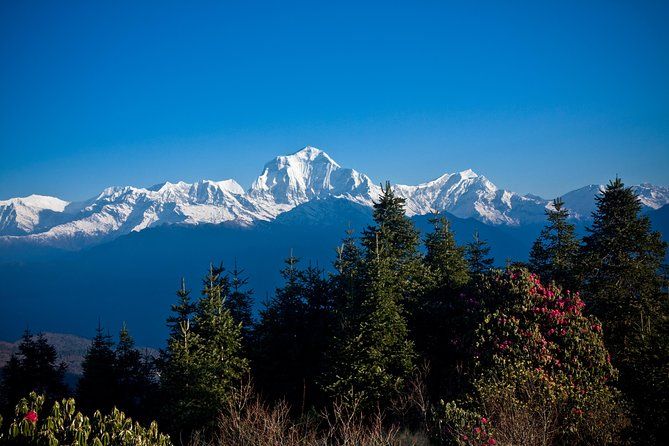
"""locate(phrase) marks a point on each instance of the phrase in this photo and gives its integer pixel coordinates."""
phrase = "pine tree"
(622, 257)
(292, 336)
(348, 265)
(239, 302)
(393, 233)
(436, 325)
(34, 367)
(97, 388)
(203, 359)
(183, 310)
(372, 357)
(134, 378)
(554, 255)
(394, 236)
(220, 354)
(445, 260)
(477, 253)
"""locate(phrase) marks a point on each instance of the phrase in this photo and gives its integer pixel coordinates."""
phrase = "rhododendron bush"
(542, 373)
(64, 425)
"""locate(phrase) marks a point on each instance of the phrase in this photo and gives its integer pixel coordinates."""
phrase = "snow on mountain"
(309, 175)
(467, 194)
(121, 210)
(25, 215)
(581, 202)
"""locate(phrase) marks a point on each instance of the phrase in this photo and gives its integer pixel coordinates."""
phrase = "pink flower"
(484, 420)
(31, 416)
(492, 441)
(477, 430)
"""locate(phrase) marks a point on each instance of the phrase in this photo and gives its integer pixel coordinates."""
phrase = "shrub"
(542, 373)
(65, 425)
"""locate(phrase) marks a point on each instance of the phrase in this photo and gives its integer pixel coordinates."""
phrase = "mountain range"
(284, 183)
(119, 257)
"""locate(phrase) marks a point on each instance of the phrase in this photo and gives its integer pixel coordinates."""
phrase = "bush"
(65, 425)
(542, 373)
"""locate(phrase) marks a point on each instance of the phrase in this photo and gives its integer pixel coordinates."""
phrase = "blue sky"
(540, 97)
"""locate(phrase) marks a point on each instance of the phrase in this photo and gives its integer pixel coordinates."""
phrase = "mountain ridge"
(285, 182)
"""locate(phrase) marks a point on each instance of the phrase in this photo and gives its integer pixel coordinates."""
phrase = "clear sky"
(540, 97)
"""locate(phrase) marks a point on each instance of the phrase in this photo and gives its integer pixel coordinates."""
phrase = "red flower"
(492, 441)
(31, 416)
(484, 420)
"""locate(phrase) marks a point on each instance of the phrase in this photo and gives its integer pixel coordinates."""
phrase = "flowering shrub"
(64, 425)
(542, 373)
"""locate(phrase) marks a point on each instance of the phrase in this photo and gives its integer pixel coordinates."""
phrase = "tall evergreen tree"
(34, 367)
(436, 326)
(622, 257)
(239, 301)
(97, 388)
(220, 355)
(292, 335)
(394, 236)
(444, 258)
(183, 310)
(372, 356)
(554, 254)
(134, 378)
(203, 359)
(346, 283)
(478, 255)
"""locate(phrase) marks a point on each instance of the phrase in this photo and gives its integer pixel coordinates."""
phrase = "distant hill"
(71, 350)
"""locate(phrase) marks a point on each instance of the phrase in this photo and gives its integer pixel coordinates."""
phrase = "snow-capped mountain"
(284, 183)
(19, 216)
(288, 181)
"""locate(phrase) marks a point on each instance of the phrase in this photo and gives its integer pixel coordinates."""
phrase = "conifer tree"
(34, 367)
(220, 353)
(203, 359)
(134, 377)
(554, 254)
(394, 236)
(372, 357)
(622, 257)
(436, 326)
(478, 255)
(444, 258)
(97, 388)
(346, 283)
(183, 310)
(292, 335)
(239, 302)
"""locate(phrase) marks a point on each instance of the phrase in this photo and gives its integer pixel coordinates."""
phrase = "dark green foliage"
(183, 310)
(554, 255)
(134, 375)
(445, 260)
(292, 336)
(239, 302)
(33, 368)
(478, 255)
(203, 358)
(437, 323)
(394, 237)
(98, 388)
(372, 357)
(621, 268)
